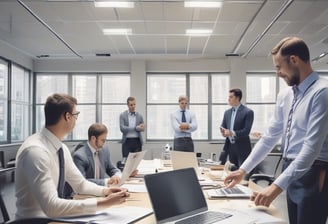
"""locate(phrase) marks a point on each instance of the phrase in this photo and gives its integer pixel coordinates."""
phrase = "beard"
(294, 79)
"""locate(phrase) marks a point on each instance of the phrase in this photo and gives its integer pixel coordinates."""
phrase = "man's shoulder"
(246, 108)
(82, 151)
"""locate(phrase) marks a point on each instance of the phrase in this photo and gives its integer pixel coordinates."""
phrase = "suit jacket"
(124, 125)
(242, 127)
(84, 161)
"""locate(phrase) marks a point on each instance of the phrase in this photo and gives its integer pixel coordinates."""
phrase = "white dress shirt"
(37, 174)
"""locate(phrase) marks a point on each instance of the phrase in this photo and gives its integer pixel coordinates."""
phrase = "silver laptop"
(238, 191)
(182, 160)
(177, 197)
(132, 162)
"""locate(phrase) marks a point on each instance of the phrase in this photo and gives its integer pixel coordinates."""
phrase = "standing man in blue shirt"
(131, 126)
(301, 120)
(183, 122)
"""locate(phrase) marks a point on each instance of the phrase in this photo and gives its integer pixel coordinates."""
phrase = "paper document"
(261, 216)
(137, 188)
(113, 215)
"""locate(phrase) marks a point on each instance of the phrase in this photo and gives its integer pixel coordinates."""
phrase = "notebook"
(176, 197)
(132, 162)
(182, 160)
(238, 191)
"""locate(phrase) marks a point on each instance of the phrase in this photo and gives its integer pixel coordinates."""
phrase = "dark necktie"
(183, 119)
(290, 117)
(61, 181)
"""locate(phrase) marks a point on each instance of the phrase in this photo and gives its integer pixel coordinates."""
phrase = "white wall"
(15, 55)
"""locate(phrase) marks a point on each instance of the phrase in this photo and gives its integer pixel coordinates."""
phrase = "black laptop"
(177, 197)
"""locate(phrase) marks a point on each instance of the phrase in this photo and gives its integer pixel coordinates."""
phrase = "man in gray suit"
(93, 160)
(131, 126)
(236, 126)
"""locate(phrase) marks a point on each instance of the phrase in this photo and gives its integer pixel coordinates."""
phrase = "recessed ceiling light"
(114, 4)
(201, 4)
(198, 32)
(117, 31)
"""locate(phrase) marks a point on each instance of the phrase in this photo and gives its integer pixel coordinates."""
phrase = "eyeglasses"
(75, 114)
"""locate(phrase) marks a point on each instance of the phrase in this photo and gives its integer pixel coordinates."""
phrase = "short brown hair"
(130, 98)
(96, 130)
(237, 92)
(183, 97)
(57, 105)
(292, 46)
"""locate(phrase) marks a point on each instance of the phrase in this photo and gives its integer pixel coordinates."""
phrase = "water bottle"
(167, 147)
(166, 153)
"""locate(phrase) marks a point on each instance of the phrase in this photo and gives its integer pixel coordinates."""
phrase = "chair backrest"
(264, 171)
(5, 209)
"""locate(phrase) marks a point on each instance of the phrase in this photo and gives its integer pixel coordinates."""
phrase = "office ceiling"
(45, 29)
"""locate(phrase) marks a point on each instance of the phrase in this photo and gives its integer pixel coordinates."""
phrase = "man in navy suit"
(101, 172)
(236, 126)
(131, 126)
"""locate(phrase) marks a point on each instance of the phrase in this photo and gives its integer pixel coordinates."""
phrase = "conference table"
(141, 199)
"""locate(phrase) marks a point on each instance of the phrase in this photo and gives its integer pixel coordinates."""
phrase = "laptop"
(182, 160)
(176, 197)
(131, 163)
(238, 191)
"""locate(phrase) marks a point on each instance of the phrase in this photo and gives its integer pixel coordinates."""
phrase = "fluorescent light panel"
(198, 32)
(114, 4)
(201, 4)
(117, 31)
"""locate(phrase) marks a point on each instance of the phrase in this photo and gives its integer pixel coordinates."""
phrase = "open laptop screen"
(175, 194)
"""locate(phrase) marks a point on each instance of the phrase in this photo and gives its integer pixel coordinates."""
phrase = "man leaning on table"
(44, 164)
(301, 121)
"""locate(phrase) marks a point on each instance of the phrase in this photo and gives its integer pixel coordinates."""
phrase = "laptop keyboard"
(233, 190)
(205, 218)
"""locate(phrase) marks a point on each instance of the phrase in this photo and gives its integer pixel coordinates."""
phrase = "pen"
(131, 199)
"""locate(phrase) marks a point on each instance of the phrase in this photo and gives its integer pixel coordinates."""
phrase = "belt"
(186, 138)
(318, 163)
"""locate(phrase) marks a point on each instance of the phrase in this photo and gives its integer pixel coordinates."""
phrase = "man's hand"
(141, 127)
(234, 178)
(114, 180)
(134, 173)
(115, 196)
(184, 126)
(266, 196)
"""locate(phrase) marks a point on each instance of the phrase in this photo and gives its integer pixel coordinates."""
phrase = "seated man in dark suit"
(93, 160)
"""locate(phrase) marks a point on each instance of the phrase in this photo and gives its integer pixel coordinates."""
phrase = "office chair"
(269, 178)
(4, 210)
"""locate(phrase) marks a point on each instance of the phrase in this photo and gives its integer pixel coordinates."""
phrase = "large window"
(205, 92)
(3, 99)
(261, 95)
(101, 98)
(20, 103)
(115, 91)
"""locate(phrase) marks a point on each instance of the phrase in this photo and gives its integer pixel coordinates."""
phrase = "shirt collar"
(93, 150)
(303, 86)
(236, 107)
(52, 138)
